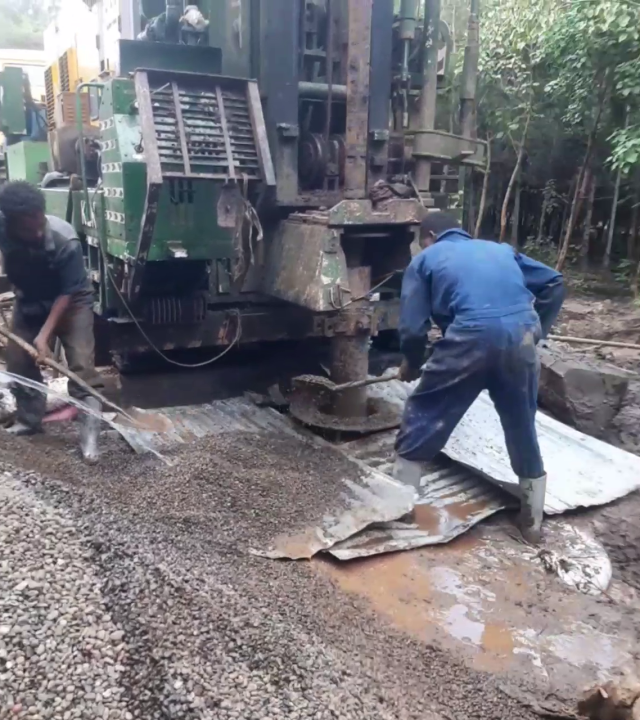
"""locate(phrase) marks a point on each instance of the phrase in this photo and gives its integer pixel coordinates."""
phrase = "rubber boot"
(89, 430)
(407, 472)
(20, 429)
(31, 406)
(532, 494)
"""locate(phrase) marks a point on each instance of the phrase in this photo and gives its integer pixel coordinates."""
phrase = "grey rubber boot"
(532, 494)
(89, 431)
(407, 472)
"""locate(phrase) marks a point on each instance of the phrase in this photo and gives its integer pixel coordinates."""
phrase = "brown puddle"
(430, 519)
(422, 594)
(393, 584)
(149, 421)
(482, 598)
(498, 638)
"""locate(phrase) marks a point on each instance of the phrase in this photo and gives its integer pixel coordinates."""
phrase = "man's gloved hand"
(408, 373)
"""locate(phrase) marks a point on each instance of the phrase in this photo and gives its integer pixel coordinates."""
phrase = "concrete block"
(585, 395)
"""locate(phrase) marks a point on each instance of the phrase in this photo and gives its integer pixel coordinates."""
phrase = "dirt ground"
(202, 628)
(617, 319)
(176, 620)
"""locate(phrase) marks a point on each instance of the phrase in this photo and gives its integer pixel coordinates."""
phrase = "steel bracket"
(287, 131)
(378, 135)
(347, 322)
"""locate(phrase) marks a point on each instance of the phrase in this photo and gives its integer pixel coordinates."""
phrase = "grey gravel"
(167, 616)
(58, 647)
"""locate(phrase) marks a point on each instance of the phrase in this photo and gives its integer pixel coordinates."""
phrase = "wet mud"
(169, 546)
(483, 599)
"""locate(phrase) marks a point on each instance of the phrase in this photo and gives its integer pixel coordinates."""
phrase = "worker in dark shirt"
(492, 305)
(43, 261)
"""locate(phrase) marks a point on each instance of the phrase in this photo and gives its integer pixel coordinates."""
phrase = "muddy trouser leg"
(452, 379)
(513, 386)
(30, 404)
(76, 334)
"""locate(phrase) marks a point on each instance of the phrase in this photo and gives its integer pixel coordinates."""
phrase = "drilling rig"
(259, 172)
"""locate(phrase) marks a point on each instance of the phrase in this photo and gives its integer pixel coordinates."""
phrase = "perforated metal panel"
(50, 94)
(204, 129)
(64, 71)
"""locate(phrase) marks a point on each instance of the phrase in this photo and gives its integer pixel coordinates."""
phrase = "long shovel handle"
(364, 383)
(63, 371)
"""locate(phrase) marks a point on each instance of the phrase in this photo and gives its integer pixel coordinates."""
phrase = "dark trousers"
(494, 354)
(75, 331)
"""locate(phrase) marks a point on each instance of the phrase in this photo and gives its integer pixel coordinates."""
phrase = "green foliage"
(511, 72)
(594, 47)
(554, 57)
(625, 148)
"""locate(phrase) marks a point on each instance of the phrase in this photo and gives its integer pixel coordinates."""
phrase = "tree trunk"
(606, 260)
(564, 249)
(586, 230)
(468, 199)
(485, 188)
(632, 238)
(543, 211)
(515, 217)
(584, 189)
(512, 179)
(565, 211)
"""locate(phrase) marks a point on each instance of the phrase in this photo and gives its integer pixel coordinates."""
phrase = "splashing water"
(7, 378)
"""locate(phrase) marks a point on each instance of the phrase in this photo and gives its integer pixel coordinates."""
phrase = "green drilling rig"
(257, 170)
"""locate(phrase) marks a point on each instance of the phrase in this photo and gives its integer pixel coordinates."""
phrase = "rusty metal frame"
(154, 184)
(199, 176)
(358, 77)
(225, 134)
(260, 133)
(180, 126)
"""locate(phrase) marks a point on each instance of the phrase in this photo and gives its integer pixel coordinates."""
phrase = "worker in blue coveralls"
(492, 305)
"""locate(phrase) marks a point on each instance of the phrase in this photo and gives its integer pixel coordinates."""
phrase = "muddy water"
(430, 602)
(481, 598)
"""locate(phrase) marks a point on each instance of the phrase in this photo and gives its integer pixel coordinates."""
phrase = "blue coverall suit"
(493, 305)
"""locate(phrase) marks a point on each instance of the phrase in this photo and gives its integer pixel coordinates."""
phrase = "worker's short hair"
(20, 198)
(437, 222)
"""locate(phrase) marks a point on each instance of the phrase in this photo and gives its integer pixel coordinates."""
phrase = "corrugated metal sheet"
(369, 496)
(188, 423)
(452, 499)
(454, 496)
(582, 471)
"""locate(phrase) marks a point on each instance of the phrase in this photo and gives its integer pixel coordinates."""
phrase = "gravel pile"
(184, 622)
(61, 655)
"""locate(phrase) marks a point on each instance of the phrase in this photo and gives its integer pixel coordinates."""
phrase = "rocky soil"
(126, 591)
(619, 320)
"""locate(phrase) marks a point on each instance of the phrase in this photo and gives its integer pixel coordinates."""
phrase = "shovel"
(316, 383)
(312, 398)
